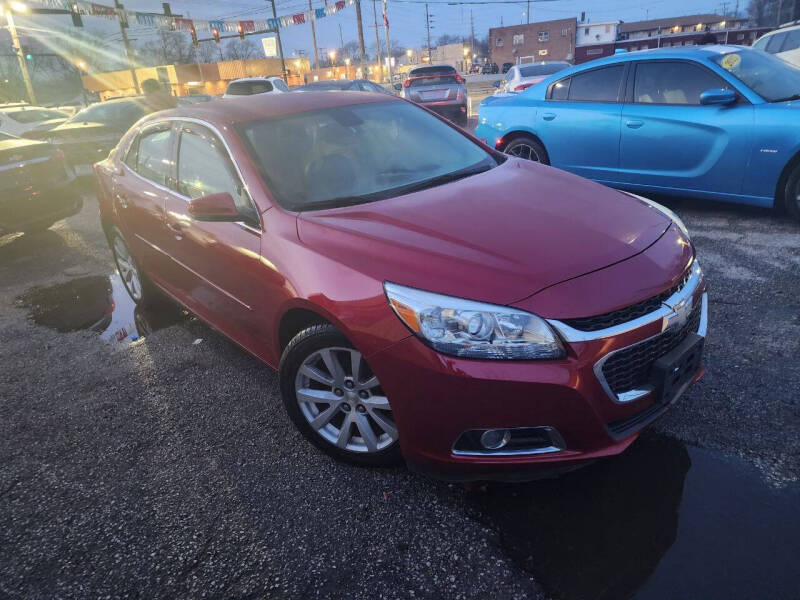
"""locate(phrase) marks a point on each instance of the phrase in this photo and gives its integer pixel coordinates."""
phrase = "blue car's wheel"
(791, 195)
(527, 148)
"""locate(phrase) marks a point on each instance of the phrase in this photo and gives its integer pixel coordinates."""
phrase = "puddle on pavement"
(661, 521)
(101, 304)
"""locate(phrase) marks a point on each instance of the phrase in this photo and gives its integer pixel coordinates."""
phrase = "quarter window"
(152, 155)
(204, 168)
(672, 83)
(597, 85)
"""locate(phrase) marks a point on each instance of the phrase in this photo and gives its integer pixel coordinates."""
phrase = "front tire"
(527, 148)
(791, 193)
(335, 400)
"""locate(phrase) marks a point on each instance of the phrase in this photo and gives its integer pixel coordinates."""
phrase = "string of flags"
(182, 24)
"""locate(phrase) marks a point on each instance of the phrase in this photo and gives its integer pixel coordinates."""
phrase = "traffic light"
(215, 33)
(193, 33)
(240, 30)
(76, 16)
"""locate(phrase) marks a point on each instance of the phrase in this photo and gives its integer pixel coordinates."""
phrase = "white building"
(596, 33)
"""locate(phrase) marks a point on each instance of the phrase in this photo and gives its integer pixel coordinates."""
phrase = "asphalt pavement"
(165, 467)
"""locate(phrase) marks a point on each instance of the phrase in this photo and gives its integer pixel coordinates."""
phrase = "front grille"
(629, 368)
(629, 313)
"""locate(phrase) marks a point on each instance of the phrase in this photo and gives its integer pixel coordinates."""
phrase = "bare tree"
(169, 48)
(237, 49)
(209, 52)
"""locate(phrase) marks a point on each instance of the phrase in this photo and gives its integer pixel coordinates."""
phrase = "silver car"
(439, 88)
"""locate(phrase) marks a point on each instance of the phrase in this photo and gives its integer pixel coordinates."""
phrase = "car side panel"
(776, 143)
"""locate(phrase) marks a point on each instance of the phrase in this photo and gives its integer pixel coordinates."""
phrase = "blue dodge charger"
(716, 122)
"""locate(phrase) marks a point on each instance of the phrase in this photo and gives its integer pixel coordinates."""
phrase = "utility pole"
(128, 51)
(361, 50)
(278, 36)
(528, 12)
(20, 54)
(313, 34)
(472, 35)
(428, 28)
(388, 41)
(377, 38)
(341, 40)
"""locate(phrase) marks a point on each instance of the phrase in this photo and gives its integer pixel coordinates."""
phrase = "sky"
(406, 17)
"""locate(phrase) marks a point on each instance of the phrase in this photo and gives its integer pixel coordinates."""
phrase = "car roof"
(690, 52)
(265, 78)
(262, 106)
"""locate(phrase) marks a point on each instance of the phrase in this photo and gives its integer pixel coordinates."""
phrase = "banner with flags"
(145, 19)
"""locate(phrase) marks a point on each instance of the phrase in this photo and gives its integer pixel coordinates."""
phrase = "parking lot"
(167, 467)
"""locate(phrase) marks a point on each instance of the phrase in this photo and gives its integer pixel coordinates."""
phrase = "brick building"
(544, 41)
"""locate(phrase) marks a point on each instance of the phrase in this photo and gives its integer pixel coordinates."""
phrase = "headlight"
(665, 211)
(472, 329)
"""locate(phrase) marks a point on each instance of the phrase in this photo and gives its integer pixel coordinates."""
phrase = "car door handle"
(548, 116)
(176, 229)
(634, 124)
(123, 201)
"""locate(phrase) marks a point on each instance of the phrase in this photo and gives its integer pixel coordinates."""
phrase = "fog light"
(494, 439)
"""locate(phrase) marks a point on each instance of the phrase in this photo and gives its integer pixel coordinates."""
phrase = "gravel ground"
(169, 469)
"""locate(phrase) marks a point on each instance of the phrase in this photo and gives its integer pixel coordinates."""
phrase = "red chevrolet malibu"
(421, 295)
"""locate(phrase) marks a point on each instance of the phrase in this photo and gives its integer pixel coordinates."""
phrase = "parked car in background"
(36, 186)
(506, 67)
(297, 225)
(194, 99)
(490, 69)
(19, 120)
(352, 85)
(783, 43)
(521, 77)
(439, 88)
(255, 85)
(716, 122)
(475, 68)
(90, 135)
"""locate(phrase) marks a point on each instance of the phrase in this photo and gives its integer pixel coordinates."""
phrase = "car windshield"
(122, 114)
(359, 153)
(546, 69)
(769, 77)
(35, 115)
(432, 80)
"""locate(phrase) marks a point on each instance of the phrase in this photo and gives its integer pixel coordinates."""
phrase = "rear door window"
(152, 157)
(597, 85)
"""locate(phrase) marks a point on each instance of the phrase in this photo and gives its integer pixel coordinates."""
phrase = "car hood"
(499, 236)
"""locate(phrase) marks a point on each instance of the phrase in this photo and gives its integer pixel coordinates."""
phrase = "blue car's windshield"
(769, 77)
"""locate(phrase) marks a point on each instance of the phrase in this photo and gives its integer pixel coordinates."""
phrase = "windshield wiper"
(482, 167)
(788, 98)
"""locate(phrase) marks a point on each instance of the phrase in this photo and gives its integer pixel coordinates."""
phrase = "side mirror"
(214, 207)
(497, 83)
(398, 86)
(718, 97)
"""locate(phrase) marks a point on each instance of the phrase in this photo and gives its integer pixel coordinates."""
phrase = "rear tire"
(527, 148)
(135, 282)
(335, 400)
(791, 193)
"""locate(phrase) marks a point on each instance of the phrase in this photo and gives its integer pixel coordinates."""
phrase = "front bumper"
(436, 398)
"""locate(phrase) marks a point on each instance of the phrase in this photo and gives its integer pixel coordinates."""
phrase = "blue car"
(715, 122)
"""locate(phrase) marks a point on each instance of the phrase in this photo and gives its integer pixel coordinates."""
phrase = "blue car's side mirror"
(718, 97)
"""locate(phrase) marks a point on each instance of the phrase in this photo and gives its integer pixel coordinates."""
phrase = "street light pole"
(377, 40)
(20, 55)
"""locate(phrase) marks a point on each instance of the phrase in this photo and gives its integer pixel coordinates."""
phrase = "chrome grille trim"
(570, 334)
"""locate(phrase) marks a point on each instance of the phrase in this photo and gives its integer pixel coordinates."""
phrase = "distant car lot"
(166, 468)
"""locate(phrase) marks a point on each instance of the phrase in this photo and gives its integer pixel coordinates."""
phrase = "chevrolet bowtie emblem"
(679, 315)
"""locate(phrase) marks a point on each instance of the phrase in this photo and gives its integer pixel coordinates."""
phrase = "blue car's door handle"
(548, 116)
(634, 124)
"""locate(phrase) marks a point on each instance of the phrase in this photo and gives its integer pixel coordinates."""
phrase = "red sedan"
(421, 295)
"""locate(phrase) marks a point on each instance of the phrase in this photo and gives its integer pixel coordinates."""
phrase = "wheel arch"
(518, 133)
(294, 320)
(779, 200)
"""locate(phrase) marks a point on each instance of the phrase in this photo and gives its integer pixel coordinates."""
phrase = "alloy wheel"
(525, 151)
(343, 401)
(128, 270)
